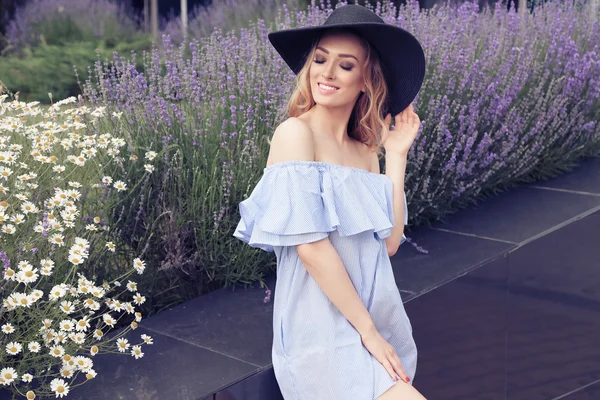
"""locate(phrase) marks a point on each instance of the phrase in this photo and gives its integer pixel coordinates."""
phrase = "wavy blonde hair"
(367, 119)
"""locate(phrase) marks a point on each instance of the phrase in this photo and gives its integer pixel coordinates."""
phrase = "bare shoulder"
(292, 140)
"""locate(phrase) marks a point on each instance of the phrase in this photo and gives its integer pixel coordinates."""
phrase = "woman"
(340, 330)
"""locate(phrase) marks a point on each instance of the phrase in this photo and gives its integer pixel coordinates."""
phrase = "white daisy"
(75, 259)
(58, 239)
(8, 328)
(90, 374)
(28, 207)
(67, 307)
(109, 320)
(10, 274)
(57, 351)
(8, 375)
(139, 265)
(136, 351)
(27, 275)
(60, 387)
(120, 186)
(122, 345)
(131, 286)
(147, 339)
(13, 348)
(27, 378)
(9, 229)
(34, 347)
(66, 325)
(139, 299)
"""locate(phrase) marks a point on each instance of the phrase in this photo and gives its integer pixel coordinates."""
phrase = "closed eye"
(344, 67)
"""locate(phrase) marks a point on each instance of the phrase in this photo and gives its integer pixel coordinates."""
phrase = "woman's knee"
(401, 391)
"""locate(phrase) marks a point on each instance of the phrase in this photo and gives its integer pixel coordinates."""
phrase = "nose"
(328, 71)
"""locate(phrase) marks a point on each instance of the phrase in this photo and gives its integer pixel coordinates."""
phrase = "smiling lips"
(327, 88)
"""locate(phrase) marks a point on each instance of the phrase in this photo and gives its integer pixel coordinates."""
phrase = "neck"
(331, 121)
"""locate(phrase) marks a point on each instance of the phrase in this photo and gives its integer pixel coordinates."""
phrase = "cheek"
(355, 81)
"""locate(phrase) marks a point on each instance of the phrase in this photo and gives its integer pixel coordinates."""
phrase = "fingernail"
(396, 378)
(407, 379)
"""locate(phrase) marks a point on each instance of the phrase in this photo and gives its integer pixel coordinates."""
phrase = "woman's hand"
(400, 139)
(384, 353)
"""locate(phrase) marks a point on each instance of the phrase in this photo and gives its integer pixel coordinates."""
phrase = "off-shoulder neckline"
(323, 163)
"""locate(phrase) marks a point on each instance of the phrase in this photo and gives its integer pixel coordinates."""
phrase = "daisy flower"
(60, 387)
(139, 265)
(8, 328)
(34, 347)
(147, 339)
(120, 186)
(9, 229)
(57, 351)
(13, 348)
(136, 351)
(28, 207)
(109, 320)
(58, 239)
(67, 307)
(131, 286)
(8, 375)
(122, 345)
(98, 334)
(139, 299)
(75, 259)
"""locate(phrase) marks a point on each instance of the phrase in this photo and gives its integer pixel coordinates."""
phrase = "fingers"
(386, 364)
(406, 116)
(393, 365)
(397, 364)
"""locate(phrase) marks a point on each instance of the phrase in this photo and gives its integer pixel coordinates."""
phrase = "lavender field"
(506, 99)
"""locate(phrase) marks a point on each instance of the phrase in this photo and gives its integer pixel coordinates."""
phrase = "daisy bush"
(66, 282)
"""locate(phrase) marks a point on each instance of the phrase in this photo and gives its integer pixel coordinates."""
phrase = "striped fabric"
(317, 354)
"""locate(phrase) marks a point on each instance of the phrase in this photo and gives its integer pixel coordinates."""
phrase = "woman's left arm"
(395, 168)
(397, 143)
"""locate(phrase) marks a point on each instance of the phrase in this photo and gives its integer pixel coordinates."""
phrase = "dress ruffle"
(298, 202)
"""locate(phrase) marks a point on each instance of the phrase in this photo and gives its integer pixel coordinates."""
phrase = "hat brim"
(401, 55)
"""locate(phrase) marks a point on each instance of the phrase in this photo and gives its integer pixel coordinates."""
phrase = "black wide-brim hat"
(400, 53)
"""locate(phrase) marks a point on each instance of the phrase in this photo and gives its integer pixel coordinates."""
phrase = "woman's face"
(336, 72)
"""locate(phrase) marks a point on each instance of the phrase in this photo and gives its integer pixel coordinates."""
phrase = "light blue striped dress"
(317, 354)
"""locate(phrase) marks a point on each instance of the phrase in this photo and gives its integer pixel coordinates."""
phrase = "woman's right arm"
(325, 266)
(293, 140)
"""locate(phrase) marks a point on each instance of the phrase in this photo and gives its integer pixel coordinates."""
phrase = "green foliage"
(49, 67)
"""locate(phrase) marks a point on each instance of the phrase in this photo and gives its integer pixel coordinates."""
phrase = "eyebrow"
(339, 55)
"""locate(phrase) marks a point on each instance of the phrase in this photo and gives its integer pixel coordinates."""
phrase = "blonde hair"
(367, 119)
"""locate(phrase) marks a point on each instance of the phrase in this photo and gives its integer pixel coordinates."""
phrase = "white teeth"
(322, 86)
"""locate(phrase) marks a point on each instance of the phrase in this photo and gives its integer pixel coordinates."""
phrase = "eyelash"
(344, 68)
